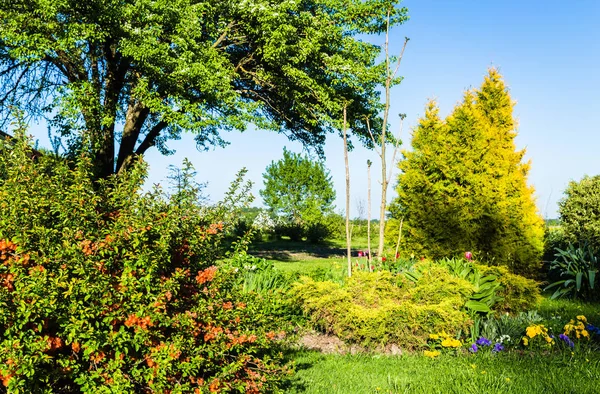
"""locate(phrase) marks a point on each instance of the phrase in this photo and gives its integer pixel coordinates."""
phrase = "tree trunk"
(369, 212)
(348, 234)
(399, 239)
(386, 112)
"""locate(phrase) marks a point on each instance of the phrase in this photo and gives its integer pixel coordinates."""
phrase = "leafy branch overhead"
(129, 75)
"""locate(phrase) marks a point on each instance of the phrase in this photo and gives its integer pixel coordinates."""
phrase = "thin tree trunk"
(385, 178)
(386, 112)
(348, 232)
(369, 212)
(399, 238)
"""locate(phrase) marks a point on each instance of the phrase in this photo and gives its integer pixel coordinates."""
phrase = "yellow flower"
(473, 366)
(582, 318)
(508, 379)
(434, 336)
(451, 342)
(525, 341)
(534, 330)
(444, 335)
(431, 353)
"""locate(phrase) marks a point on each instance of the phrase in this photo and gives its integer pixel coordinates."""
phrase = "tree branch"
(137, 114)
(150, 139)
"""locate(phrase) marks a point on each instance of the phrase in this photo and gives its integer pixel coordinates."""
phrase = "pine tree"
(463, 187)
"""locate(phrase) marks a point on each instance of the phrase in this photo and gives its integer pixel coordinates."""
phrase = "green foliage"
(133, 74)
(105, 289)
(578, 266)
(516, 293)
(300, 192)
(580, 211)
(486, 286)
(508, 328)
(380, 308)
(463, 187)
(555, 238)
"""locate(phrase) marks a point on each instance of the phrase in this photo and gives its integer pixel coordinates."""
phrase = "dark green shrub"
(294, 231)
(580, 211)
(317, 232)
(554, 238)
(103, 289)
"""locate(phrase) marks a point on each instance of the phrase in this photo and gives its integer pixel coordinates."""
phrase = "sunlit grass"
(501, 373)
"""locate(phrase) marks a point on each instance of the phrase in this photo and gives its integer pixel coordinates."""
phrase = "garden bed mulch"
(330, 344)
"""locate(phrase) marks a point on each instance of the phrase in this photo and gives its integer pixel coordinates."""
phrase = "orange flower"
(207, 275)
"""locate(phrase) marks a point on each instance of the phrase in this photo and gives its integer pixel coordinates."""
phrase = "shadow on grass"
(286, 250)
(294, 383)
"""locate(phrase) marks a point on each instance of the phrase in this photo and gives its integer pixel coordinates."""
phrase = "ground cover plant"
(404, 307)
(104, 288)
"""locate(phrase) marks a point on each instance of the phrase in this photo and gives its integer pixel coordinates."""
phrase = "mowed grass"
(308, 265)
(502, 373)
(304, 257)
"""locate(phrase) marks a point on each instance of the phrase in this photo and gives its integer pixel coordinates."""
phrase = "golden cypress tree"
(463, 187)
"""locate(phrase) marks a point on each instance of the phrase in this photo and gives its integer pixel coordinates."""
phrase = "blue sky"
(547, 51)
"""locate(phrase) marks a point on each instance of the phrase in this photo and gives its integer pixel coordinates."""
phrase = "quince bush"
(106, 289)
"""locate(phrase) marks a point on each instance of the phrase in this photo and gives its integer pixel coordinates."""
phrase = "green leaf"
(477, 306)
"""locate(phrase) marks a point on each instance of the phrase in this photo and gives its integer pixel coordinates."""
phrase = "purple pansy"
(567, 340)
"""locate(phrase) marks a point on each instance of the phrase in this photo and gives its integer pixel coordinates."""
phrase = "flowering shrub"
(103, 289)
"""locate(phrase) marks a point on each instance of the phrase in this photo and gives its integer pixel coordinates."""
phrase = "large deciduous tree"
(463, 187)
(121, 76)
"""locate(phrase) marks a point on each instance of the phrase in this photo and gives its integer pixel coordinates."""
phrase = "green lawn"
(501, 373)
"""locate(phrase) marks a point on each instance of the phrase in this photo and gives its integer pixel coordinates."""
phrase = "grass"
(305, 266)
(304, 257)
(502, 373)
(568, 309)
(510, 372)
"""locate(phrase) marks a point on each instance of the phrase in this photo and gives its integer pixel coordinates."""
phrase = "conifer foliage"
(464, 185)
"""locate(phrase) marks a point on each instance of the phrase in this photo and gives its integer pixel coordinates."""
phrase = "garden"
(112, 283)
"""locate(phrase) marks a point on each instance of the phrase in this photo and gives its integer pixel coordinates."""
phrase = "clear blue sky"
(548, 52)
